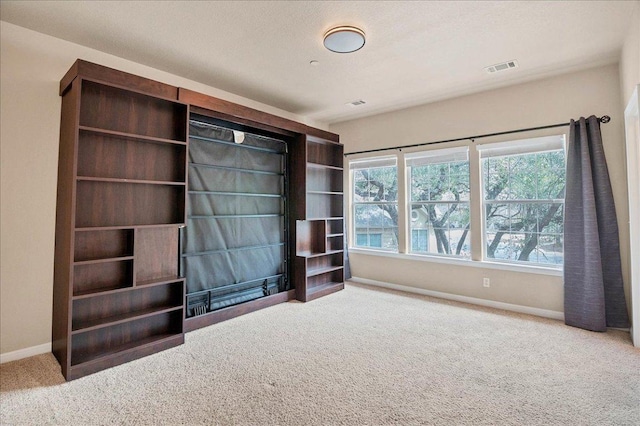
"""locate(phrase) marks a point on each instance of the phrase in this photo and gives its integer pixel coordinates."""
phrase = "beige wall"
(630, 58)
(32, 65)
(549, 101)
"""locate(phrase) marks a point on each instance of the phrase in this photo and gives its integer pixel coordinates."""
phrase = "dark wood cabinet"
(319, 256)
(121, 194)
(119, 291)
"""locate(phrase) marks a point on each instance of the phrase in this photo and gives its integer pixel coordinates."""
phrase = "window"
(375, 203)
(439, 202)
(523, 200)
(518, 202)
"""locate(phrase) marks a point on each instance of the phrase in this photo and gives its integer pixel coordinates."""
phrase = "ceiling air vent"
(501, 67)
(356, 103)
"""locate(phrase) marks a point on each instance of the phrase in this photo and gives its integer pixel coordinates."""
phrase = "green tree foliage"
(377, 184)
(441, 187)
(518, 226)
(523, 207)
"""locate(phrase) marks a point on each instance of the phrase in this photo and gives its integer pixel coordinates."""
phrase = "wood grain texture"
(112, 108)
(250, 114)
(125, 355)
(123, 154)
(300, 276)
(63, 272)
(95, 344)
(130, 159)
(324, 152)
(156, 253)
(241, 121)
(128, 204)
(99, 72)
(102, 276)
(102, 309)
(326, 290)
(103, 244)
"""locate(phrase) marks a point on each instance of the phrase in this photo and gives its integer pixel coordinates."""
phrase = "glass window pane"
(440, 224)
(375, 240)
(441, 228)
(524, 228)
(378, 223)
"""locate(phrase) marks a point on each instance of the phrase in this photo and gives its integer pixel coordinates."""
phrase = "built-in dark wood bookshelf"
(319, 256)
(121, 195)
(119, 293)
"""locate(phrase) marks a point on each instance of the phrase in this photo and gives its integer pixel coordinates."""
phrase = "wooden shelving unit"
(319, 256)
(121, 195)
(119, 293)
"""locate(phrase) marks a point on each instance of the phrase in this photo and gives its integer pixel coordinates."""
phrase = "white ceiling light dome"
(344, 39)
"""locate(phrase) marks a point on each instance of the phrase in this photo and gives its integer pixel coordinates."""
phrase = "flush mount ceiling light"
(344, 39)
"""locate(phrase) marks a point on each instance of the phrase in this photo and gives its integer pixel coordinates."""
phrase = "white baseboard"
(25, 353)
(545, 313)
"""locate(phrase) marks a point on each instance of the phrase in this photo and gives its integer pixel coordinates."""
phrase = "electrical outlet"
(486, 282)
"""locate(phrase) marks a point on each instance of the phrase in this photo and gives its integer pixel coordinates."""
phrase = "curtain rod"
(603, 119)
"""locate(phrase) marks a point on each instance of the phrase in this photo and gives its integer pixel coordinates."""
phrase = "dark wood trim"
(316, 139)
(64, 241)
(224, 314)
(65, 83)
(254, 116)
(241, 121)
(90, 70)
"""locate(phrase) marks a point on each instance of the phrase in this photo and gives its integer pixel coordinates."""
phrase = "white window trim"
(363, 163)
(516, 147)
(477, 233)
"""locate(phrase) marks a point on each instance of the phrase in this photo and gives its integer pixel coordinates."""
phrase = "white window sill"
(530, 269)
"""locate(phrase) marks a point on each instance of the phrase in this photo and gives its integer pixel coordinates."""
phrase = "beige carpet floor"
(362, 356)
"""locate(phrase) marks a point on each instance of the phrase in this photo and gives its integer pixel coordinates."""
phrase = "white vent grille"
(503, 66)
(356, 103)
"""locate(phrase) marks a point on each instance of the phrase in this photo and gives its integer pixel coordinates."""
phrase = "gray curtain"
(593, 291)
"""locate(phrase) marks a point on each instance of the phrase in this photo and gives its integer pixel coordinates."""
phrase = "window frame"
(371, 163)
(476, 236)
(435, 157)
(526, 146)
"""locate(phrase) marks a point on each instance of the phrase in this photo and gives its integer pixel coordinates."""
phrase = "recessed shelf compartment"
(324, 180)
(96, 245)
(103, 310)
(324, 153)
(322, 264)
(335, 242)
(131, 159)
(325, 279)
(104, 276)
(157, 250)
(324, 206)
(126, 111)
(136, 204)
(310, 237)
(105, 342)
(335, 227)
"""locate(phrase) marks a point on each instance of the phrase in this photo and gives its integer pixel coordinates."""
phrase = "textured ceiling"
(416, 52)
